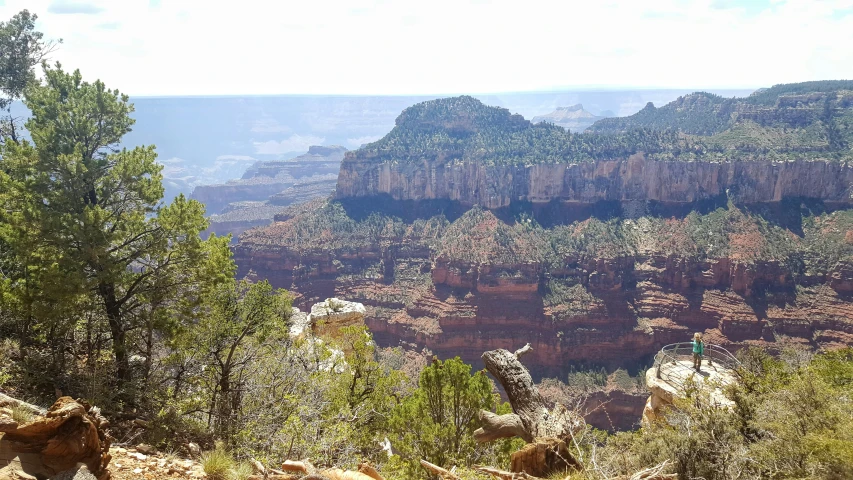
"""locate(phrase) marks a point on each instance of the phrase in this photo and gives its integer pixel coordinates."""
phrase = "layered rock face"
(572, 292)
(304, 191)
(266, 187)
(634, 178)
(265, 179)
(573, 118)
(329, 317)
(644, 247)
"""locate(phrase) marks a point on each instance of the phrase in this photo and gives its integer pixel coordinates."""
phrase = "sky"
(376, 47)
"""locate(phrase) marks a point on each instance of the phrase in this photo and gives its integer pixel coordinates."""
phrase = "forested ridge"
(812, 120)
(110, 295)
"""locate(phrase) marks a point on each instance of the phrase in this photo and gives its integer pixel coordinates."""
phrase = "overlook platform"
(673, 372)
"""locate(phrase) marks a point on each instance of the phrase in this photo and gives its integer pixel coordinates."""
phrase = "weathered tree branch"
(545, 431)
(537, 421)
(504, 475)
(521, 351)
(441, 472)
(304, 467)
(368, 470)
(7, 400)
(500, 426)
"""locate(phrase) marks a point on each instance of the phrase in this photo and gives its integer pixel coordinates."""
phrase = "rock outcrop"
(304, 191)
(573, 118)
(329, 317)
(265, 179)
(674, 379)
(69, 436)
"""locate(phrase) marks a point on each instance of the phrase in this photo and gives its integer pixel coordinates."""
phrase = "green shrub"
(240, 471)
(22, 414)
(218, 463)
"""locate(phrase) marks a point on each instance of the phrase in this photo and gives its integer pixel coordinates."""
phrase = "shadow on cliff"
(407, 210)
(790, 212)
(787, 214)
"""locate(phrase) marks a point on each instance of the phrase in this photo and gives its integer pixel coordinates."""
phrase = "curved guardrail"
(675, 352)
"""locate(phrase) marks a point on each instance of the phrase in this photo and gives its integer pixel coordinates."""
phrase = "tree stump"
(545, 430)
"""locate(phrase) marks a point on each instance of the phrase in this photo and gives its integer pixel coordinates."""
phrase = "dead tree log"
(67, 434)
(444, 473)
(545, 430)
(504, 475)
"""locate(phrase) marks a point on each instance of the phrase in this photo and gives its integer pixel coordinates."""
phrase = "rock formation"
(634, 178)
(573, 118)
(329, 317)
(266, 187)
(265, 179)
(69, 436)
(669, 380)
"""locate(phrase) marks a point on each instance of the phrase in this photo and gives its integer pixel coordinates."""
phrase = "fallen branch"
(293, 466)
(651, 473)
(504, 475)
(365, 471)
(6, 400)
(441, 472)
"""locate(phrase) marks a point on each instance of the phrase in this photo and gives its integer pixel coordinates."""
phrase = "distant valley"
(210, 140)
(468, 228)
(574, 118)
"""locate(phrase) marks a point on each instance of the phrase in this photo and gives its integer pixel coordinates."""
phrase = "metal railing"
(674, 353)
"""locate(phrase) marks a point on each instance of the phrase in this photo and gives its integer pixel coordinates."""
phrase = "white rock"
(137, 471)
(330, 316)
(299, 322)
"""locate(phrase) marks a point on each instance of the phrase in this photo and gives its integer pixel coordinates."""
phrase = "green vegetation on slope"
(792, 418)
(700, 126)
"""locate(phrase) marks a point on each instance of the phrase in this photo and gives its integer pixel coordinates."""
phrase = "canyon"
(266, 187)
(595, 258)
(573, 118)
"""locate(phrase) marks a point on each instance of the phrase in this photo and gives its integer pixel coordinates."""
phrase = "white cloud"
(199, 47)
(235, 158)
(296, 143)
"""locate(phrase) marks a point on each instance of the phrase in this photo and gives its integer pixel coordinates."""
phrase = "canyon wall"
(630, 308)
(265, 179)
(631, 179)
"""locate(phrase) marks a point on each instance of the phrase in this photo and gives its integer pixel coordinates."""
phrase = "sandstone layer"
(615, 309)
(68, 436)
(635, 178)
(265, 179)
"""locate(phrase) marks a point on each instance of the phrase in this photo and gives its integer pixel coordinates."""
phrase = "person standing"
(698, 350)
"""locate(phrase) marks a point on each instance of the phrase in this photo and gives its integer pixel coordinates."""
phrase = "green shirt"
(698, 347)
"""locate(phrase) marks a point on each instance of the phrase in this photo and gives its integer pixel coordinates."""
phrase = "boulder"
(68, 437)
